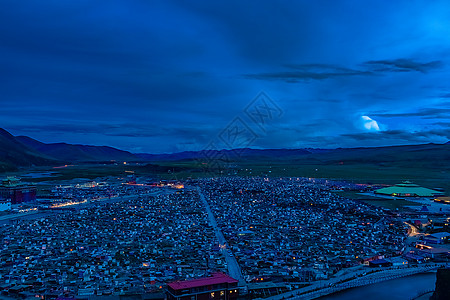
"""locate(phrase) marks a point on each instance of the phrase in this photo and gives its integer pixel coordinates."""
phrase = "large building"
(5, 204)
(18, 192)
(218, 286)
(408, 189)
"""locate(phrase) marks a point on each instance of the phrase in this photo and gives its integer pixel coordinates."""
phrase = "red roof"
(215, 278)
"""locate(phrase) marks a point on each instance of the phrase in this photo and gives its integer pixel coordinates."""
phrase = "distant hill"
(428, 155)
(423, 154)
(14, 154)
(235, 154)
(77, 153)
(25, 151)
(431, 157)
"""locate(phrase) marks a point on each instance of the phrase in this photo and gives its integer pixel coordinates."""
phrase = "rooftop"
(11, 181)
(408, 189)
(439, 235)
(435, 250)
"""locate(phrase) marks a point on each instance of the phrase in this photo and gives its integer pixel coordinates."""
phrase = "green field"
(377, 201)
(357, 173)
(392, 204)
(431, 176)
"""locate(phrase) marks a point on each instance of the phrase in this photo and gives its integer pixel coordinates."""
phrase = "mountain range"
(13, 153)
(23, 151)
(77, 153)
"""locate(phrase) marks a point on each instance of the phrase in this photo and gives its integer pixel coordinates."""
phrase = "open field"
(432, 176)
(391, 204)
(425, 164)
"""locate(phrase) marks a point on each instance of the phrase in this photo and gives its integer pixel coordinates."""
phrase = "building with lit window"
(218, 286)
(18, 192)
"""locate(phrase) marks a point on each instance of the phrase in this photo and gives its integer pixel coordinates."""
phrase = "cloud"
(308, 72)
(370, 124)
(426, 113)
(317, 71)
(167, 73)
(442, 124)
(403, 65)
(398, 137)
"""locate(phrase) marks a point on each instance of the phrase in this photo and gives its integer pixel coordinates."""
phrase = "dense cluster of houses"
(131, 238)
(133, 245)
(296, 229)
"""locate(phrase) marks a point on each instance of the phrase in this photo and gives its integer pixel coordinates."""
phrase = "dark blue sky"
(164, 76)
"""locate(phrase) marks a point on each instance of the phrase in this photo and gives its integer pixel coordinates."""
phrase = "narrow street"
(234, 269)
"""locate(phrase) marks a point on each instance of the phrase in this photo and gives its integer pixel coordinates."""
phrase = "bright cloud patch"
(370, 124)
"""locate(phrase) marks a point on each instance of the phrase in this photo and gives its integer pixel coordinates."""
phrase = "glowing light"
(67, 204)
(370, 124)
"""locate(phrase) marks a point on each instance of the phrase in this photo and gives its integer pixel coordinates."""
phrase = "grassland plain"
(431, 175)
(428, 176)
(424, 164)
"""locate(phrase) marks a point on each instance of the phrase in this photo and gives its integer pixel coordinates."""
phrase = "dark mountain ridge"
(14, 154)
(224, 154)
(78, 153)
(23, 151)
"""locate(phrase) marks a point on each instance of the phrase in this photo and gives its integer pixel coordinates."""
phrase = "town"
(127, 236)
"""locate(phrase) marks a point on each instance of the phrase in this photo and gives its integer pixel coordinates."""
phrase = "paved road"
(36, 214)
(18, 215)
(233, 267)
(333, 285)
(7, 219)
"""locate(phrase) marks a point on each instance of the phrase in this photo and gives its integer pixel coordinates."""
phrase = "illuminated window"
(211, 295)
(222, 293)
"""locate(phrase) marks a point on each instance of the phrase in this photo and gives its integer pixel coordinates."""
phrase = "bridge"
(323, 288)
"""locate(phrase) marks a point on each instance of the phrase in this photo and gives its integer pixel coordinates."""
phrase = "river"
(403, 288)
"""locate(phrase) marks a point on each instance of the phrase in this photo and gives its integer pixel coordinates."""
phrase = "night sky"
(166, 76)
